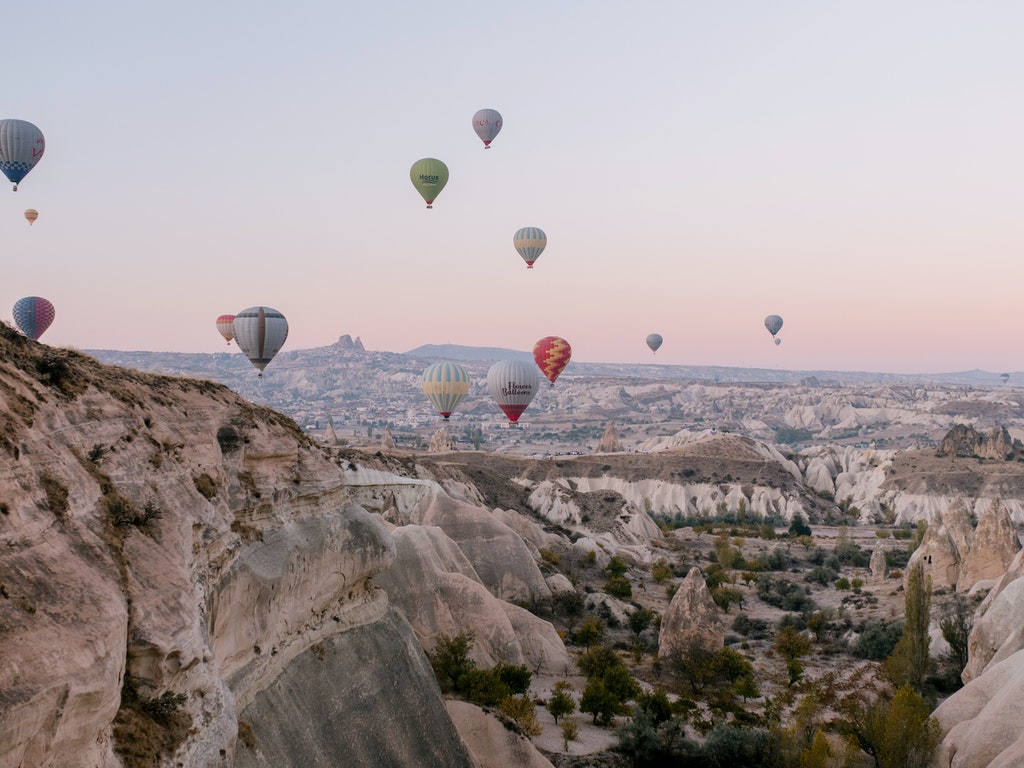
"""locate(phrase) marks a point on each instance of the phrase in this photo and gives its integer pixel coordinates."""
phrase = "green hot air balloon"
(429, 177)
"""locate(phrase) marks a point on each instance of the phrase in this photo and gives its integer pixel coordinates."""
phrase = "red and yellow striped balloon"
(552, 354)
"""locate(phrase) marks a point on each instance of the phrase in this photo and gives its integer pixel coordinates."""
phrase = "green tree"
(450, 659)
(598, 701)
(484, 687)
(909, 662)
(598, 660)
(799, 527)
(641, 619)
(619, 586)
(661, 571)
(590, 632)
(818, 754)
(616, 567)
(899, 733)
(523, 712)
(561, 702)
(956, 627)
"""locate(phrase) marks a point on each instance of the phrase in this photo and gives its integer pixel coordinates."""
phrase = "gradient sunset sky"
(856, 167)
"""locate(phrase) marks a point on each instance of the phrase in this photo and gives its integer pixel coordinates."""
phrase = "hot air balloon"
(552, 355)
(530, 242)
(21, 146)
(654, 341)
(33, 314)
(226, 327)
(31, 214)
(487, 124)
(429, 177)
(774, 324)
(445, 385)
(260, 332)
(1004, 377)
(513, 384)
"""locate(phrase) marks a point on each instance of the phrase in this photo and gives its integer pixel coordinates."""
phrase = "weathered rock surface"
(993, 547)
(438, 589)
(609, 440)
(879, 566)
(441, 441)
(490, 743)
(692, 618)
(337, 703)
(168, 531)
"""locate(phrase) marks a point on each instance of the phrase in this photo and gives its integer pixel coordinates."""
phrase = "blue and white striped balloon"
(530, 242)
(21, 146)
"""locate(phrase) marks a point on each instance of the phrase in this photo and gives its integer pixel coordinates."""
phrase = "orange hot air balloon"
(552, 354)
(31, 214)
(226, 327)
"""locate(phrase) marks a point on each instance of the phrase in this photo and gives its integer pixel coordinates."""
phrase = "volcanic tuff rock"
(610, 440)
(956, 555)
(692, 618)
(162, 540)
(966, 442)
(981, 721)
(879, 566)
(441, 441)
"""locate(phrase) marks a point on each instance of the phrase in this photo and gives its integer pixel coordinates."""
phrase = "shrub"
(619, 586)
(877, 639)
(56, 494)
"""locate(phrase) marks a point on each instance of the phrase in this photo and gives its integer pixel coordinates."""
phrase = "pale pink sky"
(854, 167)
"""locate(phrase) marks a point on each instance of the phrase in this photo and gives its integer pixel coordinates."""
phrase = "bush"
(619, 586)
(206, 486)
(877, 639)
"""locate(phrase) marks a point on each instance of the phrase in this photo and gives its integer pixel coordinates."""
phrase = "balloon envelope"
(445, 385)
(654, 341)
(513, 384)
(1005, 377)
(31, 214)
(530, 242)
(260, 332)
(487, 124)
(21, 147)
(226, 327)
(33, 315)
(552, 354)
(773, 323)
(429, 176)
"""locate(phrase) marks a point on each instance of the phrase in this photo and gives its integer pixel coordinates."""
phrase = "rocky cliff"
(186, 580)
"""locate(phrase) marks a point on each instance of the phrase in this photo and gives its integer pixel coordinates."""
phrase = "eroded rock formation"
(692, 619)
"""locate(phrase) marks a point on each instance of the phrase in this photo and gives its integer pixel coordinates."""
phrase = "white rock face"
(692, 618)
(491, 744)
(439, 591)
(253, 554)
(982, 721)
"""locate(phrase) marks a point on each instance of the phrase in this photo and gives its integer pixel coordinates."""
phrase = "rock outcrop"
(610, 440)
(692, 619)
(441, 442)
(964, 441)
(879, 566)
(163, 540)
(958, 556)
(387, 440)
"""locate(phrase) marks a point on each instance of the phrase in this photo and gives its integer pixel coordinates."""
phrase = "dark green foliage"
(598, 660)
(450, 659)
(163, 708)
(783, 594)
(877, 640)
(778, 560)
(755, 629)
(640, 619)
(561, 702)
(790, 435)
(656, 704)
(619, 586)
(589, 632)
(483, 686)
(799, 527)
(820, 575)
(598, 701)
(616, 567)
(516, 677)
(730, 746)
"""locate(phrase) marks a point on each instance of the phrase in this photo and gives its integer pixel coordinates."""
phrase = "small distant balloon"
(260, 332)
(778, 341)
(654, 341)
(513, 385)
(33, 315)
(31, 214)
(530, 242)
(552, 354)
(1004, 377)
(226, 327)
(21, 147)
(445, 385)
(429, 176)
(774, 324)
(487, 124)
